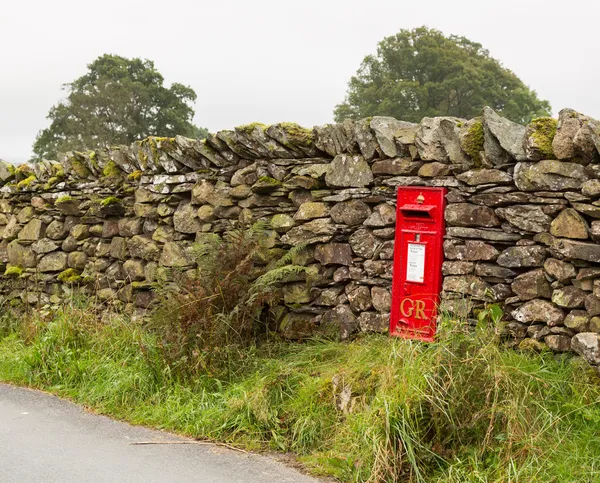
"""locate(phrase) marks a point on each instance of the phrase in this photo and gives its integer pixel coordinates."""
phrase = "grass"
(376, 410)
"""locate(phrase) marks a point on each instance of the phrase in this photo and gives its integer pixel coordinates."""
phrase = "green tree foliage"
(422, 73)
(117, 101)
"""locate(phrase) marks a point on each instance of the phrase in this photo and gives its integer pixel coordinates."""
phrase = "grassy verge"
(376, 409)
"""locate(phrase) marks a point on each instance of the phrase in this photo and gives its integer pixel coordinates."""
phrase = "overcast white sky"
(275, 60)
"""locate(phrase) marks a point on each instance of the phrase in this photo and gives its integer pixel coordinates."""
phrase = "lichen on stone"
(70, 275)
(111, 200)
(13, 271)
(543, 130)
(298, 134)
(248, 129)
(473, 140)
(111, 169)
(79, 168)
(26, 182)
(63, 199)
(135, 176)
(269, 180)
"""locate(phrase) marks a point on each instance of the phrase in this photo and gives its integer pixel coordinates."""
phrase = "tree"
(422, 73)
(117, 101)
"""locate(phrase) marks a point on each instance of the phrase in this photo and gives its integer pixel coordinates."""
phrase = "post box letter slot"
(417, 211)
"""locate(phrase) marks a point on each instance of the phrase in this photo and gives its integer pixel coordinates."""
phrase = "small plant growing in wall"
(205, 326)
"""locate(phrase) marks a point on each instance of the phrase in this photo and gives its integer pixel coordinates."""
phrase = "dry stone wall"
(523, 219)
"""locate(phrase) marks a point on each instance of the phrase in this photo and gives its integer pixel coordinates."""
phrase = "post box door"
(418, 260)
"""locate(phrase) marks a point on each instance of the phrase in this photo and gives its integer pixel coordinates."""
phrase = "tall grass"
(376, 409)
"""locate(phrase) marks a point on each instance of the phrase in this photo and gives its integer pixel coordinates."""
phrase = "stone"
(359, 298)
(383, 215)
(142, 247)
(76, 260)
(374, 322)
(352, 213)
(348, 172)
(185, 219)
(296, 293)
(592, 211)
(558, 343)
(550, 175)
(594, 324)
(576, 250)
(393, 135)
(340, 321)
(489, 270)
(569, 297)
(381, 298)
(130, 226)
(282, 223)
(522, 256)
(32, 231)
(69, 244)
(466, 214)
(68, 206)
(118, 248)
(468, 285)
(144, 210)
(320, 230)
(458, 268)
(206, 193)
(577, 320)
(7, 171)
(592, 305)
(489, 234)
(591, 188)
(576, 137)
(396, 167)
(19, 255)
(134, 270)
(297, 326)
(434, 170)
(559, 270)
(508, 134)
(206, 213)
(472, 250)
(176, 254)
(11, 230)
(529, 218)
(376, 268)
(311, 210)
(53, 262)
(569, 224)
(437, 139)
(25, 214)
(80, 232)
(386, 249)
(364, 243)
(476, 177)
(110, 228)
(539, 310)
(531, 285)
(163, 234)
(44, 246)
(587, 345)
(334, 254)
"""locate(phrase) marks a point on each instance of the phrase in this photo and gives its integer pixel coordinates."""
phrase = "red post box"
(418, 257)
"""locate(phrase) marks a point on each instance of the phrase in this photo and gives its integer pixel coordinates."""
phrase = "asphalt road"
(46, 439)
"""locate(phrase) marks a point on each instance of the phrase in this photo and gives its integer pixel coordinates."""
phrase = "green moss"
(268, 180)
(70, 275)
(473, 140)
(26, 182)
(13, 271)
(543, 130)
(58, 170)
(111, 200)
(79, 168)
(63, 199)
(249, 128)
(297, 134)
(24, 169)
(111, 169)
(136, 175)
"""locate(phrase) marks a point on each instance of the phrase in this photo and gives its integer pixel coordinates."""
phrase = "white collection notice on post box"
(415, 263)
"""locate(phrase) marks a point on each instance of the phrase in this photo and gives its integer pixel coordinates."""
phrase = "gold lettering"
(405, 312)
(420, 310)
